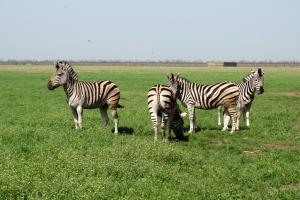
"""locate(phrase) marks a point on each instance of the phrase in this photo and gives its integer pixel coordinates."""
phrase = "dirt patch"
(291, 186)
(218, 143)
(278, 146)
(257, 152)
(291, 94)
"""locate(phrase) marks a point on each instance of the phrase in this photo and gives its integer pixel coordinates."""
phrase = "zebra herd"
(162, 100)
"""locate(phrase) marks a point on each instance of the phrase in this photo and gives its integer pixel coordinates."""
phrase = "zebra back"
(161, 95)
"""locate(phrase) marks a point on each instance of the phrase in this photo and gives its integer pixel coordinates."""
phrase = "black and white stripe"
(86, 95)
(251, 83)
(205, 96)
(162, 103)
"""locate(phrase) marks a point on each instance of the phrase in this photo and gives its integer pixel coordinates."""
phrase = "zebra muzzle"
(50, 86)
(261, 90)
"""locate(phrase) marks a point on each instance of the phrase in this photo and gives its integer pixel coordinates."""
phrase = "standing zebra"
(86, 95)
(251, 83)
(162, 103)
(210, 96)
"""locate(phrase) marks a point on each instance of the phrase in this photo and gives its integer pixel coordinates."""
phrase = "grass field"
(42, 156)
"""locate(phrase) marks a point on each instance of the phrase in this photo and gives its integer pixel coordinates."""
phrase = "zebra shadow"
(185, 138)
(124, 130)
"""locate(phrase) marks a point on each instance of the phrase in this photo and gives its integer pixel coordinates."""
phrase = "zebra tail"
(120, 106)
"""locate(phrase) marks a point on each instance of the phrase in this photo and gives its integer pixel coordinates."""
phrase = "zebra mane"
(70, 69)
(181, 79)
(248, 77)
(259, 72)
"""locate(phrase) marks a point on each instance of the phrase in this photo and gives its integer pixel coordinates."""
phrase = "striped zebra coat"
(162, 103)
(251, 83)
(205, 96)
(86, 95)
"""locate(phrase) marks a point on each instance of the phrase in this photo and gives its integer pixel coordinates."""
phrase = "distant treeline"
(177, 62)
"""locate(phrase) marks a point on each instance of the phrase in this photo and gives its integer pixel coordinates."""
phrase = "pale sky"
(220, 30)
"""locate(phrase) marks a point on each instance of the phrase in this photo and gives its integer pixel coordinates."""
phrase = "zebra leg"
(248, 106)
(169, 128)
(194, 122)
(79, 111)
(163, 123)
(191, 110)
(233, 116)
(103, 112)
(115, 115)
(226, 117)
(155, 125)
(74, 111)
(238, 116)
(219, 115)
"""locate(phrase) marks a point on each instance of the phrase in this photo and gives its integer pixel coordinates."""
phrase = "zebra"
(86, 95)
(251, 83)
(205, 96)
(162, 103)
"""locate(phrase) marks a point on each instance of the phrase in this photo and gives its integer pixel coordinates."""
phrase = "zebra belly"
(207, 107)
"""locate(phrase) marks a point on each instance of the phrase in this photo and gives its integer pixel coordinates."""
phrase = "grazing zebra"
(205, 96)
(162, 103)
(86, 95)
(251, 83)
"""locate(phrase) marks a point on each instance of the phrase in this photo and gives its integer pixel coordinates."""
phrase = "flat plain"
(42, 156)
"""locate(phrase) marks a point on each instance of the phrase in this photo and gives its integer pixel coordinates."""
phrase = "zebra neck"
(252, 86)
(69, 87)
(180, 90)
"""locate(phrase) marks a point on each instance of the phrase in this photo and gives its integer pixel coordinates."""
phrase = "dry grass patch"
(218, 143)
(297, 94)
(256, 152)
(297, 186)
(278, 146)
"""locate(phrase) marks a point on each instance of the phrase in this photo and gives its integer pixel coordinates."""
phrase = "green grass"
(42, 156)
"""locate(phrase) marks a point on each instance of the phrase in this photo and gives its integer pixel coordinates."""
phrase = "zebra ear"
(56, 65)
(168, 76)
(252, 71)
(172, 76)
(263, 72)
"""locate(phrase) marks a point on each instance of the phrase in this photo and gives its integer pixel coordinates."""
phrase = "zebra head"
(59, 77)
(177, 122)
(173, 83)
(258, 78)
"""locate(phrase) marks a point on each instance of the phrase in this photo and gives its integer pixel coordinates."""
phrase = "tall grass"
(42, 156)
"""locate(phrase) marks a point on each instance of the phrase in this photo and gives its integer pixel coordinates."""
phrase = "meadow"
(42, 156)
